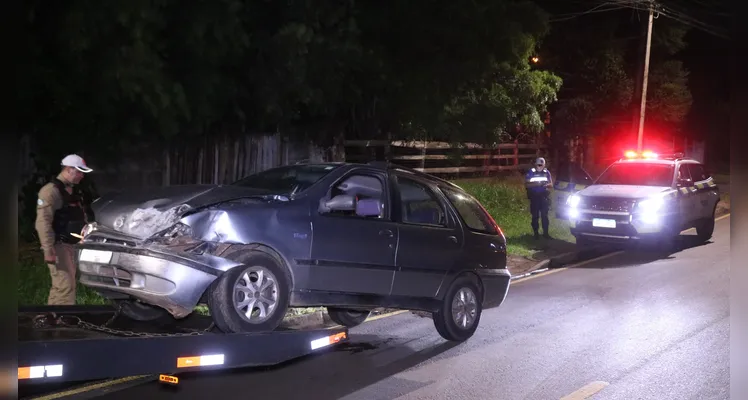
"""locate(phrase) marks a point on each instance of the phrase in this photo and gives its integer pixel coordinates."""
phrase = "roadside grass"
(506, 200)
(723, 179)
(503, 198)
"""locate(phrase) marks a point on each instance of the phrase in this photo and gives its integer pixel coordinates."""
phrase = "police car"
(647, 198)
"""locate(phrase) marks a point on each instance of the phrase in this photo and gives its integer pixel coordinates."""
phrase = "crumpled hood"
(142, 213)
(622, 191)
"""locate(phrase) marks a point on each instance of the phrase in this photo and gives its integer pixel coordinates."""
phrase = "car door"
(570, 178)
(704, 196)
(430, 241)
(354, 252)
(686, 194)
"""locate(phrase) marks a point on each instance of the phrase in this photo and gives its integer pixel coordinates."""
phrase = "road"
(633, 326)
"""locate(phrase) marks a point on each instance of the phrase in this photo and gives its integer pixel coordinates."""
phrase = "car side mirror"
(343, 202)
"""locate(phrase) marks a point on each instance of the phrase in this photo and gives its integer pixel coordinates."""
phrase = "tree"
(599, 58)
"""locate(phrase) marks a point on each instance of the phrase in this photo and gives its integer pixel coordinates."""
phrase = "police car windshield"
(639, 174)
(287, 180)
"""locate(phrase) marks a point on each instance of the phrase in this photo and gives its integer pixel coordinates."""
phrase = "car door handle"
(452, 238)
(386, 232)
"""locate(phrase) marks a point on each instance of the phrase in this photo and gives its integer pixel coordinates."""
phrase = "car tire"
(142, 312)
(347, 317)
(705, 229)
(445, 319)
(236, 290)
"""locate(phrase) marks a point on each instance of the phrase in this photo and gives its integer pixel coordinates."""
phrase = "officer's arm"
(48, 202)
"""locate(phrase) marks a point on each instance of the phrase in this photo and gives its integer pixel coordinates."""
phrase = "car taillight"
(493, 222)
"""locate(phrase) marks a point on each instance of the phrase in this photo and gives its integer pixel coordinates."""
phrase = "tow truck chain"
(72, 321)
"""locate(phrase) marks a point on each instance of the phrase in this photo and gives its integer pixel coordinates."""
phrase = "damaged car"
(348, 237)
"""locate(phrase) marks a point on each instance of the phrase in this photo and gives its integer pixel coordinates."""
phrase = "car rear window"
(471, 212)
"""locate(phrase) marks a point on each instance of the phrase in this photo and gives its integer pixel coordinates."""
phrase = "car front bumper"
(627, 227)
(173, 281)
(495, 286)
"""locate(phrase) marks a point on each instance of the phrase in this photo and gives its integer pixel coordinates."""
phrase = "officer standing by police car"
(538, 183)
(62, 210)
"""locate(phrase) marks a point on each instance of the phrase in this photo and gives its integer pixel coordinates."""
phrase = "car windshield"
(639, 174)
(287, 180)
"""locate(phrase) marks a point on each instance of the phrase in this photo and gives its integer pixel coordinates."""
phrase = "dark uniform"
(538, 183)
(61, 209)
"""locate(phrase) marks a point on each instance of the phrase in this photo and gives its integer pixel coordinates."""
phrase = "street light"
(535, 59)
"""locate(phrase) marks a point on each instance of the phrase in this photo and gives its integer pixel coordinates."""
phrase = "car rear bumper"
(495, 286)
(175, 282)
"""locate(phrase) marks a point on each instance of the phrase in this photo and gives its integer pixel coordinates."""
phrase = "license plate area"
(95, 256)
(603, 223)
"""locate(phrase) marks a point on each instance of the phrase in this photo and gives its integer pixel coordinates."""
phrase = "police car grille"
(608, 204)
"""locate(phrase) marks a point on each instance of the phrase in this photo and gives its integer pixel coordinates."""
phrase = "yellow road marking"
(89, 388)
(586, 391)
(390, 314)
(553, 271)
(715, 220)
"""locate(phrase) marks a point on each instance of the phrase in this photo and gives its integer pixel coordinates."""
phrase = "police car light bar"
(645, 154)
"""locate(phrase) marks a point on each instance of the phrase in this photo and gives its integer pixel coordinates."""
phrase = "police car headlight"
(651, 205)
(573, 201)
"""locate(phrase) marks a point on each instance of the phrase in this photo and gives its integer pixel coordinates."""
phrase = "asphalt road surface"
(632, 326)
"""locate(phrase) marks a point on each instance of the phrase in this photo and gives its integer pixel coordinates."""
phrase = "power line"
(670, 11)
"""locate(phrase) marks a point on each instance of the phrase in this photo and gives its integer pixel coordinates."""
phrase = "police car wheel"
(705, 229)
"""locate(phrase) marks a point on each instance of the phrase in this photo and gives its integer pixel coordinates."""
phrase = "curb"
(563, 260)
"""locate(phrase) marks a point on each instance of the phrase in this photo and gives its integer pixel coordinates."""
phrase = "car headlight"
(88, 229)
(573, 201)
(650, 205)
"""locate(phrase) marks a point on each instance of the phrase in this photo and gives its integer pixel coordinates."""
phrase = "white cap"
(540, 161)
(75, 161)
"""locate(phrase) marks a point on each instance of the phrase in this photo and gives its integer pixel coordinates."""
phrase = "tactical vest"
(71, 217)
(539, 178)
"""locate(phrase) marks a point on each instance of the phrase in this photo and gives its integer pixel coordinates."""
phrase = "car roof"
(385, 166)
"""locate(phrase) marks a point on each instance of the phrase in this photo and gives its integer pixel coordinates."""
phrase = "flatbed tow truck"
(61, 348)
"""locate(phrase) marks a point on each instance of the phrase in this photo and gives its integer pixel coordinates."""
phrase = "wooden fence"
(441, 158)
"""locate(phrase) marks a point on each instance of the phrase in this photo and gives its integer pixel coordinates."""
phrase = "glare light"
(649, 154)
(651, 204)
(573, 201)
(630, 154)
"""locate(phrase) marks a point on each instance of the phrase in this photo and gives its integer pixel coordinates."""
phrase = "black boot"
(537, 235)
(546, 235)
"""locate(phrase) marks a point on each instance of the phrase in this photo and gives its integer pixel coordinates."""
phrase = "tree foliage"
(601, 60)
(103, 75)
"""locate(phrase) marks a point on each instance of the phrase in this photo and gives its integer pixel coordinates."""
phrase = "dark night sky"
(706, 58)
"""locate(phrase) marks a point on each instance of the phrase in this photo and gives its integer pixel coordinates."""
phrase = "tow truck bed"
(86, 343)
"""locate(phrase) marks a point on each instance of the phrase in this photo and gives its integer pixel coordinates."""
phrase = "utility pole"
(645, 77)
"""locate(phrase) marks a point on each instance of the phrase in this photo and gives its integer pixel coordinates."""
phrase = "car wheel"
(139, 311)
(705, 229)
(459, 315)
(347, 317)
(252, 297)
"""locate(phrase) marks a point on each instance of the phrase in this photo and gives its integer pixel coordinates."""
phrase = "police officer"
(538, 182)
(60, 211)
